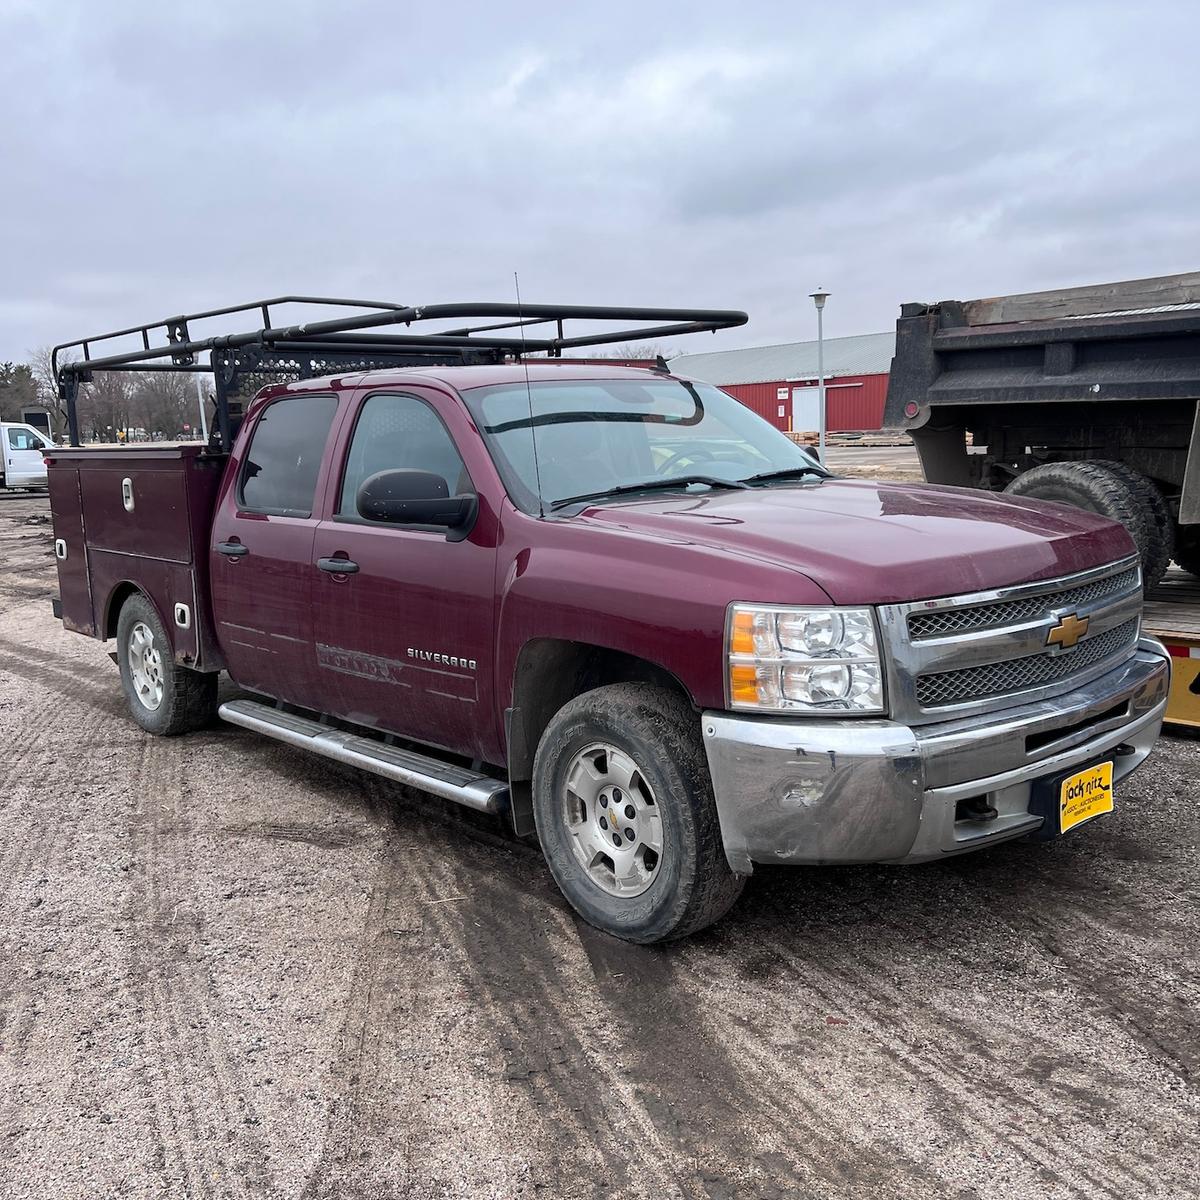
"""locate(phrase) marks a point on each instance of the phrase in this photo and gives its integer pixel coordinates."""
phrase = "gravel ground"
(228, 969)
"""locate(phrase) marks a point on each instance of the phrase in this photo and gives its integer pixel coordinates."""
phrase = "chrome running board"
(446, 780)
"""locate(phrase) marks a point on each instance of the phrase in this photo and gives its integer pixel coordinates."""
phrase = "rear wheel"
(163, 697)
(1160, 524)
(625, 814)
(1096, 488)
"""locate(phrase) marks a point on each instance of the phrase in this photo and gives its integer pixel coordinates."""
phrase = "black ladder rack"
(339, 344)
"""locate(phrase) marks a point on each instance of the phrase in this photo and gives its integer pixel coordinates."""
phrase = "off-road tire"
(1096, 488)
(693, 885)
(189, 698)
(1187, 548)
(1160, 523)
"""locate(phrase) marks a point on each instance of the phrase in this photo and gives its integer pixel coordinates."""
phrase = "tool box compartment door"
(70, 550)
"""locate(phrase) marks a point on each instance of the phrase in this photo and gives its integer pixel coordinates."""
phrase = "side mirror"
(411, 497)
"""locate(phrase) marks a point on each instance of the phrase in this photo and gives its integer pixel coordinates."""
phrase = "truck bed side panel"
(157, 521)
(74, 586)
(166, 584)
(147, 513)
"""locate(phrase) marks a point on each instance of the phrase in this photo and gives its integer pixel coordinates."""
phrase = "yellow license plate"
(1085, 795)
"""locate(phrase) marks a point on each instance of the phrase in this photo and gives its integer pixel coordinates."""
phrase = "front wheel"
(163, 697)
(625, 814)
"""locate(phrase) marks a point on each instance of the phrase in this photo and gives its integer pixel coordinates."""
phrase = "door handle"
(233, 549)
(338, 566)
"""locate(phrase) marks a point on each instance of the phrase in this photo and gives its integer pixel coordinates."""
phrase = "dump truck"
(1085, 396)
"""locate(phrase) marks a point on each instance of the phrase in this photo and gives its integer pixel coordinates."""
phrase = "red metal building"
(778, 382)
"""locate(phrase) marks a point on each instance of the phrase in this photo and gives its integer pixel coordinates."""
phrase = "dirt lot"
(227, 969)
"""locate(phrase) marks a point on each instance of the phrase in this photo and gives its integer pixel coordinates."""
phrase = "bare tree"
(635, 350)
(104, 405)
(161, 402)
(47, 388)
(629, 351)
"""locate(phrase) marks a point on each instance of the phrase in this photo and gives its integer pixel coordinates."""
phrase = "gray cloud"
(161, 158)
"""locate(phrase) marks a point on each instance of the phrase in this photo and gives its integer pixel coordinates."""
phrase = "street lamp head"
(818, 298)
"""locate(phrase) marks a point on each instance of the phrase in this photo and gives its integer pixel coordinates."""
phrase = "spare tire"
(1096, 488)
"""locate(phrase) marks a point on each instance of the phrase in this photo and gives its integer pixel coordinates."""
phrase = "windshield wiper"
(648, 485)
(788, 473)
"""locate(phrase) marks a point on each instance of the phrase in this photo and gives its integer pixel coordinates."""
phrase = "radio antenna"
(537, 473)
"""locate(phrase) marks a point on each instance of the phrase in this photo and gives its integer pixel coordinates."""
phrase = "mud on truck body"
(610, 604)
(1084, 396)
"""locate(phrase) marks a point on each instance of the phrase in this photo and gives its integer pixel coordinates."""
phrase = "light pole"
(200, 401)
(818, 298)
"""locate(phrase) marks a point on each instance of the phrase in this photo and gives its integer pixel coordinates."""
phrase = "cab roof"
(461, 378)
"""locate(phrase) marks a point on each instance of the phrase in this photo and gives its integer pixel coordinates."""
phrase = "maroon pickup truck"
(612, 604)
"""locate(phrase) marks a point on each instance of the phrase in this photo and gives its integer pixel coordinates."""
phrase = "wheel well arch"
(552, 671)
(116, 601)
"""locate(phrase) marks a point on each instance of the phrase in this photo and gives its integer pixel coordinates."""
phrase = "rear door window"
(283, 460)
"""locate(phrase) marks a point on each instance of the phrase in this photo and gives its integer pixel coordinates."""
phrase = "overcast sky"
(161, 157)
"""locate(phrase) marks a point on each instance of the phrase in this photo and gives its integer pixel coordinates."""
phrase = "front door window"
(398, 432)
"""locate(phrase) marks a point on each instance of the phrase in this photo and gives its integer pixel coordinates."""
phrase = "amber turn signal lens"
(743, 684)
(741, 636)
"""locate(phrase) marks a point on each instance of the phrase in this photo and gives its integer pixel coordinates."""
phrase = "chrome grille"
(982, 651)
(949, 621)
(1021, 674)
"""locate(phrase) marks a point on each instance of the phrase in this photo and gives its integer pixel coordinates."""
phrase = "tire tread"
(189, 700)
(1112, 494)
(1160, 526)
(663, 717)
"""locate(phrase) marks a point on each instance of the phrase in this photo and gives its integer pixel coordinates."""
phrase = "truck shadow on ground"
(952, 982)
(948, 905)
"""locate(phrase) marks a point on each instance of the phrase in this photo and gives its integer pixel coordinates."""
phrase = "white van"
(21, 450)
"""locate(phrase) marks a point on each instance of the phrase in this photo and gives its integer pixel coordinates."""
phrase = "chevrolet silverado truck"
(609, 603)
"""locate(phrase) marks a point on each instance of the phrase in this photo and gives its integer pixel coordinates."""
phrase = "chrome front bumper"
(854, 791)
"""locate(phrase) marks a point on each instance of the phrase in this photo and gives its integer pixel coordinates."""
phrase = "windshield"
(595, 435)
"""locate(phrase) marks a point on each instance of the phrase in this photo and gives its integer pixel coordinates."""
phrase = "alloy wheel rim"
(145, 666)
(613, 820)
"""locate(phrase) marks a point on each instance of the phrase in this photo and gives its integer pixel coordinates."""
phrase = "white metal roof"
(862, 354)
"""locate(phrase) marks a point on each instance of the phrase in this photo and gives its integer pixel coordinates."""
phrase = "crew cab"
(620, 608)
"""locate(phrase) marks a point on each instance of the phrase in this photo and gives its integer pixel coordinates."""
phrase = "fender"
(659, 600)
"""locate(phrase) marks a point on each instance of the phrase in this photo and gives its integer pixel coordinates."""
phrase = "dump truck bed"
(992, 389)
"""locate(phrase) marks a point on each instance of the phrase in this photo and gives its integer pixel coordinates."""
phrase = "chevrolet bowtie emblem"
(1067, 632)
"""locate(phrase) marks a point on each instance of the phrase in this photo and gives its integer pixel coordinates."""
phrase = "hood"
(867, 542)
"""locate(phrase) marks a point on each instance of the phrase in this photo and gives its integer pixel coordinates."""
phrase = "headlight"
(804, 659)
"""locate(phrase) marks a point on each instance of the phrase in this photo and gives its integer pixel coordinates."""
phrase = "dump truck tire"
(1096, 488)
(1161, 526)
